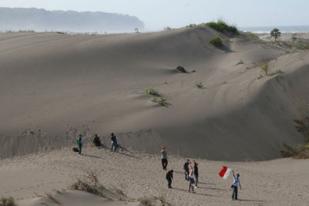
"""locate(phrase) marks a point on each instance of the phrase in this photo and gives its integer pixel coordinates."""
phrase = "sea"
(283, 29)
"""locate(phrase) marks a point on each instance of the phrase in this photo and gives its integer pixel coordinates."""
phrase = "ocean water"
(283, 29)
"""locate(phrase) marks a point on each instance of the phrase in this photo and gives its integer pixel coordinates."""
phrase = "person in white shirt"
(164, 160)
(235, 185)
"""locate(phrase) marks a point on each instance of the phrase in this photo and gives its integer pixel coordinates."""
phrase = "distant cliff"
(15, 19)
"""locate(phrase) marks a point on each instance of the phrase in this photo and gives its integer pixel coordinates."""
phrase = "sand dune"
(34, 179)
(53, 86)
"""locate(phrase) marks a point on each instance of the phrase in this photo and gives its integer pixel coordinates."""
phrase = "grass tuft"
(7, 201)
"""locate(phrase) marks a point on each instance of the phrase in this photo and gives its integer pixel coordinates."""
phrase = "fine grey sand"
(53, 86)
(33, 178)
(235, 106)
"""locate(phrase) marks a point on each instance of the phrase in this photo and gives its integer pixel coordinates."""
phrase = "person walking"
(195, 169)
(235, 185)
(79, 142)
(114, 142)
(186, 169)
(169, 178)
(191, 178)
(164, 160)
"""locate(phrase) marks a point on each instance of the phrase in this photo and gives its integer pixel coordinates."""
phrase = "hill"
(17, 19)
(54, 86)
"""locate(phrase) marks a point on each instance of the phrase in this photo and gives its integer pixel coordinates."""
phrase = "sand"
(54, 86)
(34, 178)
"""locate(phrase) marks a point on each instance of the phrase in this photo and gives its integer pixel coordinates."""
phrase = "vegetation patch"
(157, 97)
(217, 42)
(222, 27)
(7, 201)
(181, 69)
(264, 68)
(152, 92)
(153, 201)
(91, 184)
(299, 151)
(161, 101)
(200, 85)
(240, 62)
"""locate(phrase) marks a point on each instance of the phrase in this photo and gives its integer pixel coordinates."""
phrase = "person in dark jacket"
(195, 172)
(186, 169)
(96, 141)
(80, 144)
(169, 178)
(114, 142)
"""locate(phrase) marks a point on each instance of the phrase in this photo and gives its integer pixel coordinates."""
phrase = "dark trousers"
(80, 148)
(235, 193)
(164, 163)
(196, 179)
(169, 182)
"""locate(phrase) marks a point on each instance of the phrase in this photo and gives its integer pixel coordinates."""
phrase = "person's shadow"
(193, 193)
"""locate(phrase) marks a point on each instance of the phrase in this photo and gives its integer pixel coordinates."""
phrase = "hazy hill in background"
(15, 19)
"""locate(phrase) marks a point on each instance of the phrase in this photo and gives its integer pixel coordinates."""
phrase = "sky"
(157, 14)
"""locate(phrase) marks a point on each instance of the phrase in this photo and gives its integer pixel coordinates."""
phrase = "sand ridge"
(54, 86)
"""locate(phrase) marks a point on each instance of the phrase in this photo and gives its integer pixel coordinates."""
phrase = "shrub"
(300, 151)
(200, 85)
(7, 202)
(264, 68)
(222, 27)
(217, 42)
(181, 69)
(161, 101)
(240, 62)
(152, 92)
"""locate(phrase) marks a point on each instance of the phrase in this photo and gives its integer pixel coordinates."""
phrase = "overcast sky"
(157, 14)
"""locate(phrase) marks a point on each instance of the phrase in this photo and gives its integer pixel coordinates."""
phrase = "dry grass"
(91, 184)
(299, 151)
(7, 202)
(153, 201)
(200, 85)
(161, 101)
(152, 92)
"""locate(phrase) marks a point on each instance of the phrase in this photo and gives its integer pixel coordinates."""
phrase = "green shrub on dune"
(217, 42)
(222, 27)
(7, 202)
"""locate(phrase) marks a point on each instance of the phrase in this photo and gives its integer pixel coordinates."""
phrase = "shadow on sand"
(193, 193)
(253, 201)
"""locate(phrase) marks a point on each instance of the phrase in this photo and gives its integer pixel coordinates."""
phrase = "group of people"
(191, 169)
(191, 172)
(97, 142)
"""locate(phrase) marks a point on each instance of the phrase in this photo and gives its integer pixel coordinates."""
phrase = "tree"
(275, 33)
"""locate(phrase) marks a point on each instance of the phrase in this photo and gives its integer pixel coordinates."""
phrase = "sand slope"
(32, 179)
(53, 86)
